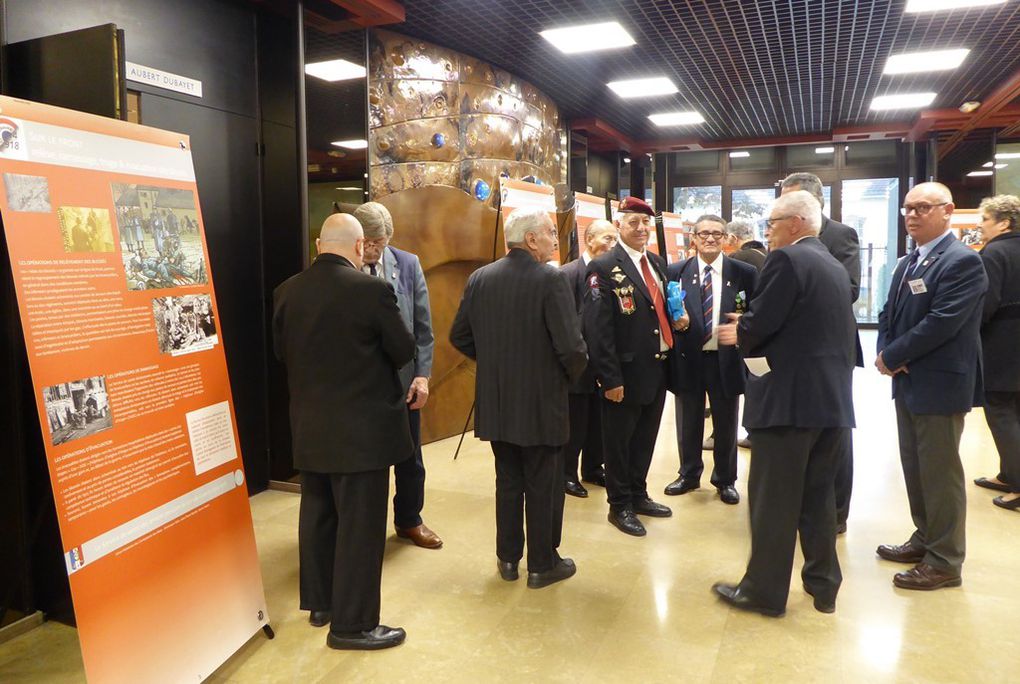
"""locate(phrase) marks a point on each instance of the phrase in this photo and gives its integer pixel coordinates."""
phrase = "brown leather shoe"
(924, 577)
(421, 536)
(902, 553)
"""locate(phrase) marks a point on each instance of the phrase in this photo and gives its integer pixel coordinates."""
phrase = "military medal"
(740, 302)
(625, 295)
(619, 277)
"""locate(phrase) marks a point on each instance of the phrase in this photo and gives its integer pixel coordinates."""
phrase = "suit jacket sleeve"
(850, 257)
(461, 336)
(996, 271)
(564, 329)
(424, 341)
(599, 329)
(958, 291)
(774, 297)
(397, 341)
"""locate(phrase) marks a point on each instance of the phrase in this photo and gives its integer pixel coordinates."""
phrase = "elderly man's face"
(600, 242)
(783, 228)
(709, 237)
(926, 213)
(546, 241)
(634, 229)
(374, 249)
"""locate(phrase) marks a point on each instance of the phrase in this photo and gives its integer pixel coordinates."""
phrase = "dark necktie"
(371, 270)
(911, 263)
(706, 302)
(660, 306)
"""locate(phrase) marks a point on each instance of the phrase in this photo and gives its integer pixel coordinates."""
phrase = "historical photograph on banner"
(27, 193)
(184, 324)
(77, 409)
(159, 237)
(85, 230)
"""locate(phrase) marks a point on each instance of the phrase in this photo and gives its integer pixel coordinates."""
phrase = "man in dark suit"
(929, 343)
(585, 403)
(629, 339)
(1000, 330)
(715, 286)
(843, 243)
(518, 321)
(748, 250)
(402, 270)
(340, 334)
(801, 322)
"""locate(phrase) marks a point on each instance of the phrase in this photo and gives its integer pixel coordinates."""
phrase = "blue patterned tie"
(706, 302)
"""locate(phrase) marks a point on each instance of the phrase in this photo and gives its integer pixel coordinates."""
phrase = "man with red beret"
(629, 338)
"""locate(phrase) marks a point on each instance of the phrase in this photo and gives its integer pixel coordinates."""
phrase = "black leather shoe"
(563, 570)
(902, 553)
(988, 484)
(651, 509)
(1008, 505)
(625, 521)
(820, 606)
(681, 485)
(372, 640)
(319, 618)
(598, 479)
(729, 495)
(731, 594)
(507, 570)
(574, 488)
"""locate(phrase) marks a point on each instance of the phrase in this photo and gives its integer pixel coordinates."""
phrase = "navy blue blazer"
(936, 334)
(687, 362)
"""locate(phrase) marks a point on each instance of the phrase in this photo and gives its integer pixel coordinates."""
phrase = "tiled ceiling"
(754, 69)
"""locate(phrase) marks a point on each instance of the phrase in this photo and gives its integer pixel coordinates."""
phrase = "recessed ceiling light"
(736, 155)
(980, 173)
(824, 150)
(1007, 155)
(588, 38)
(351, 144)
(335, 70)
(930, 60)
(346, 187)
(903, 101)
(676, 118)
(988, 165)
(643, 87)
(1001, 166)
(939, 5)
(626, 160)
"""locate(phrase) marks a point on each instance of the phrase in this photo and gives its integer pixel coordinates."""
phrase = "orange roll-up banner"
(111, 269)
(517, 194)
(588, 209)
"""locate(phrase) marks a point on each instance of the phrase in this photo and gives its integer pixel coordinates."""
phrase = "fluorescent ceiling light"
(676, 118)
(980, 173)
(938, 5)
(988, 165)
(1001, 166)
(335, 70)
(626, 160)
(904, 101)
(588, 38)
(1007, 155)
(643, 87)
(349, 188)
(931, 60)
(351, 144)
(824, 150)
(734, 155)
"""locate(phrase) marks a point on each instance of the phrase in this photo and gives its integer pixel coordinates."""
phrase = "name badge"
(917, 286)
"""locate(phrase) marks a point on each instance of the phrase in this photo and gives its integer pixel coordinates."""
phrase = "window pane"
(801, 156)
(760, 159)
(873, 152)
(754, 204)
(687, 162)
(692, 202)
(1007, 178)
(870, 207)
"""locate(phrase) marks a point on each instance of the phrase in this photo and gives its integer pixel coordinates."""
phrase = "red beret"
(635, 205)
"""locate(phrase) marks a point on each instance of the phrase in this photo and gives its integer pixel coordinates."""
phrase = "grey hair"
(801, 203)
(806, 181)
(740, 229)
(522, 221)
(375, 219)
(712, 218)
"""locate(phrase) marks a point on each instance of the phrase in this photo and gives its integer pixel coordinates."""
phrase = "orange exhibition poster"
(111, 268)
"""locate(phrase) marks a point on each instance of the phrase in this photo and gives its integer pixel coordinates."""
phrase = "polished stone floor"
(638, 609)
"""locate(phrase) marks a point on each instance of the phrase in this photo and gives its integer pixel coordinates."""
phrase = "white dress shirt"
(636, 256)
(717, 287)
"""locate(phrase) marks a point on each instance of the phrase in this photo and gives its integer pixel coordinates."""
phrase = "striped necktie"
(706, 302)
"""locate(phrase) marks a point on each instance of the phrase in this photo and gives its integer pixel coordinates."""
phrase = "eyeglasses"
(770, 222)
(711, 234)
(921, 208)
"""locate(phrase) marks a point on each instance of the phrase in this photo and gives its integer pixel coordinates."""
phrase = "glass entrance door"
(753, 205)
(870, 206)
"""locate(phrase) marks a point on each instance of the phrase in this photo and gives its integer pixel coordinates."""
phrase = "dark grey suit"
(800, 320)
(518, 321)
(340, 335)
(1000, 330)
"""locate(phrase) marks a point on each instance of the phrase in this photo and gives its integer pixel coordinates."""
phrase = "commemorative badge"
(593, 286)
(619, 277)
(625, 296)
(740, 302)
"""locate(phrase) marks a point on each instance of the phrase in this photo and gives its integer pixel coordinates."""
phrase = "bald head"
(342, 235)
(600, 237)
(935, 190)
